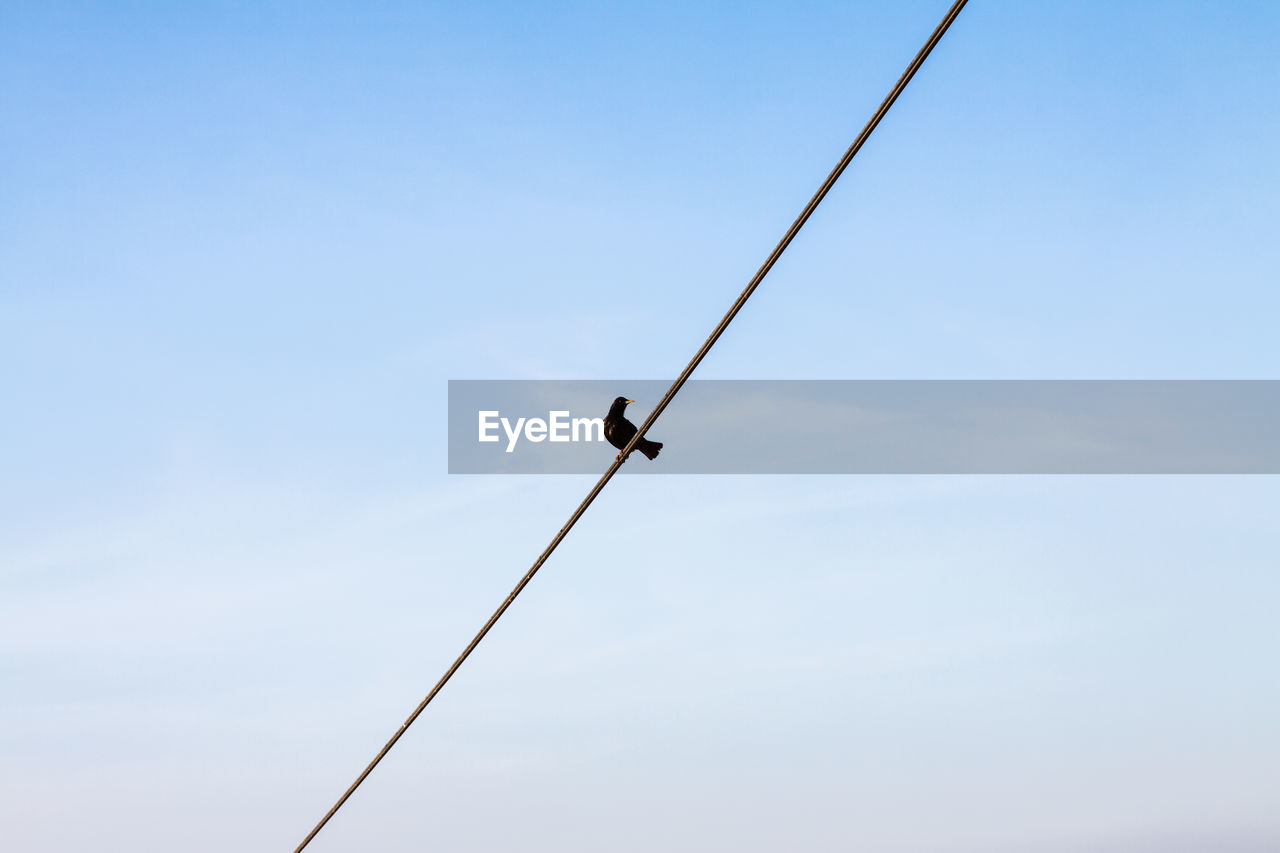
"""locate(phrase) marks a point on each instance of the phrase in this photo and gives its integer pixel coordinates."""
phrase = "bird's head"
(619, 405)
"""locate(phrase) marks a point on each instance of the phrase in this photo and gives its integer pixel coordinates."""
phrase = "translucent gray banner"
(874, 427)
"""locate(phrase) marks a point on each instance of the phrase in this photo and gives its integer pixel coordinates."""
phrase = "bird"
(618, 430)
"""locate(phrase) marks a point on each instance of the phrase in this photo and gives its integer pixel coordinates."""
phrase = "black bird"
(618, 430)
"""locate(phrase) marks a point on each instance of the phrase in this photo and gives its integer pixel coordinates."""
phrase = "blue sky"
(244, 246)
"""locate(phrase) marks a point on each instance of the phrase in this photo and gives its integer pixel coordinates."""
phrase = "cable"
(662, 404)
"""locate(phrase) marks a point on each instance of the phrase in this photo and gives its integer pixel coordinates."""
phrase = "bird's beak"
(631, 401)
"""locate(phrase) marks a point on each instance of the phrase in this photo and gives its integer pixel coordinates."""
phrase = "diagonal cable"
(719, 330)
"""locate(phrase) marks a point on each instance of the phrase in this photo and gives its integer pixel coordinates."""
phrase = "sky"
(244, 247)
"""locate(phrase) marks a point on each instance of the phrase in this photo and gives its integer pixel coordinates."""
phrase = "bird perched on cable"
(618, 430)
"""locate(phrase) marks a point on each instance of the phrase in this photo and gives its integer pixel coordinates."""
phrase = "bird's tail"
(649, 448)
